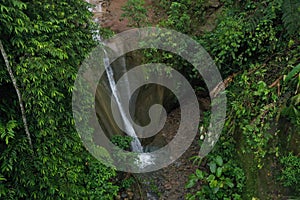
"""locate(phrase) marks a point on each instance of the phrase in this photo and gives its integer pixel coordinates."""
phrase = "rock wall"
(140, 101)
(108, 14)
(100, 9)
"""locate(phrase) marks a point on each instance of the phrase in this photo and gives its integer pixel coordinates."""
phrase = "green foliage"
(178, 17)
(253, 123)
(184, 15)
(255, 57)
(290, 174)
(291, 74)
(7, 131)
(122, 142)
(221, 181)
(225, 42)
(253, 48)
(249, 45)
(46, 43)
(243, 35)
(127, 183)
(106, 33)
(291, 16)
(292, 107)
(135, 12)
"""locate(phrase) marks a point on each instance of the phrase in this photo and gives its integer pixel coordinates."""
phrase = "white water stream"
(145, 159)
(135, 144)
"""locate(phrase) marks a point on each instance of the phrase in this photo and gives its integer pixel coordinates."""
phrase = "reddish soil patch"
(113, 19)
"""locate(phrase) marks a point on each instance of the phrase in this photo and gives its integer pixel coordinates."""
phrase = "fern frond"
(291, 16)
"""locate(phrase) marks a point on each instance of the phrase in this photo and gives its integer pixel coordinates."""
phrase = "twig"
(14, 81)
(222, 85)
(276, 82)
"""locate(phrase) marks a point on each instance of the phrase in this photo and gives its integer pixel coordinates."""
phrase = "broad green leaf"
(292, 73)
(215, 190)
(190, 184)
(211, 177)
(219, 161)
(229, 183)
(219, 171)
(199, 174)
(213, 184)
(212, 167)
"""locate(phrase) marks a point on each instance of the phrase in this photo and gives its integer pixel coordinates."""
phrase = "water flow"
(127, 83)
(135, 144)
(145, 159)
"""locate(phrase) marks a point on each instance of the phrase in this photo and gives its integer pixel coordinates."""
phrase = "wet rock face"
(100, 9)
(108, 14)
(140, 102)
(113, 18)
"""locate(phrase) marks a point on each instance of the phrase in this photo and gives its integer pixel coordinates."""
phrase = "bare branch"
(221, 86)
(14, 81)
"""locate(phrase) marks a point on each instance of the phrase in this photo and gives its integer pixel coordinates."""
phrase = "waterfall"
(135, 144)
(144, 159)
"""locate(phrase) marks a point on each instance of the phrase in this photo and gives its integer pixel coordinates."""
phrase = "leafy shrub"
(122, 142)
(221, 181)
(290, 174)
(45, 42)
(292, 107)
(127, 182)
(135, 12)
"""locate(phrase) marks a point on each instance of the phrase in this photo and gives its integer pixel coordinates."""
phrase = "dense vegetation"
(256, 47)
(45, 42)
(255, 44)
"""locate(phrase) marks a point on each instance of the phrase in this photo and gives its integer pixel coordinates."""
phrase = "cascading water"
(135, 144)
(144, 159)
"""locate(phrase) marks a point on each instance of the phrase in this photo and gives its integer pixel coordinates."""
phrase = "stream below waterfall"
(167, 183)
